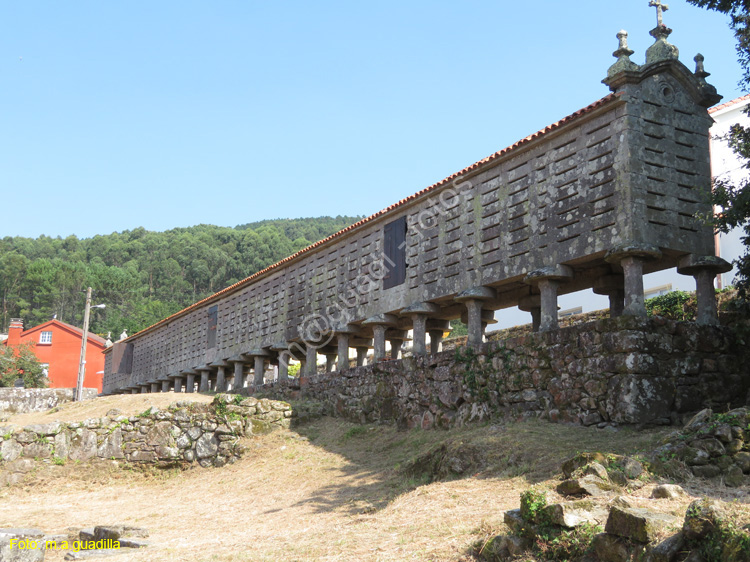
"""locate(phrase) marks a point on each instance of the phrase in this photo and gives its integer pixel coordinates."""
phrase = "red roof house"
(58, 346)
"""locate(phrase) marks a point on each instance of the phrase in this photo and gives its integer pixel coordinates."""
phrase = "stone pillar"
(239, 379)
(379, 324)
(165, 386)
(396, 338)
(144, 389)
(343, 348)
(221, 382)
(395, 347)
(155, 387)
(204, 381)
(547, 281)
(178, 384)
(533, 305)
(473, 299)
(379, 343)
(614, 287)
(259, 370)
(311, 356)
(284, 357)
(436, 336)
(361, 355)
(330, 362)
(631, 257)
(548, 298)
(190, 384)
(420, 313)
(634, 301)
(419, 334)
(474, 328)
(704, 269)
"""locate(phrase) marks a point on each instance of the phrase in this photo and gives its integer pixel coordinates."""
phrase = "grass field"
(329, 490)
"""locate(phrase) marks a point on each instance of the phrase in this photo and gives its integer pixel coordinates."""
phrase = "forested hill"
(141, 276)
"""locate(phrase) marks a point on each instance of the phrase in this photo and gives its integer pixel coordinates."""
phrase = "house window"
(394, 248)
(45, 337)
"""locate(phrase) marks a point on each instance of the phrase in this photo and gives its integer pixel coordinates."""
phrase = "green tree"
(20, 361)
(734, 200)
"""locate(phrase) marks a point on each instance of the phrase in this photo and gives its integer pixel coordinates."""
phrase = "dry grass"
(129, 404)
(329, 490)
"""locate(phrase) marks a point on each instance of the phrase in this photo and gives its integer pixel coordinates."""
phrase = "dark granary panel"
(630, 170)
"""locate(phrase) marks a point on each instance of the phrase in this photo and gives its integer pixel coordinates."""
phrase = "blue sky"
(165, 114)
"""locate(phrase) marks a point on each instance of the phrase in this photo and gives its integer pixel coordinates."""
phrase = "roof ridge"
(587, 109)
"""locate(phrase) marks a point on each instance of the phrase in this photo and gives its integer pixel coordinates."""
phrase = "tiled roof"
(730, 103)
(548, 129)
(65, 326)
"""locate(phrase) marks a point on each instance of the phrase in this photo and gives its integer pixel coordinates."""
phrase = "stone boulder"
(637, 524)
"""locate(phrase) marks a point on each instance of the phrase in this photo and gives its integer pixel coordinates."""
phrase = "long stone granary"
(595, 200)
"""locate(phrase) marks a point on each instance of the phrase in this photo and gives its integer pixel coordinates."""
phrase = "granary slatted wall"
(625, 176)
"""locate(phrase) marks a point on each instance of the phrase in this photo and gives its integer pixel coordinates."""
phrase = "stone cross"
(660, 9)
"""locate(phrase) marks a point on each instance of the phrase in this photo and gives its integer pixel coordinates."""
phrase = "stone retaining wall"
(185, 433)
(624, 370)
(21, 400)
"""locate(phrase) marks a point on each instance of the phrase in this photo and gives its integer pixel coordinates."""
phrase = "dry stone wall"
(185, 433)
(624, 370)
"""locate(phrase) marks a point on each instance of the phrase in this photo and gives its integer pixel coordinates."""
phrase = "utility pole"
(82, 362)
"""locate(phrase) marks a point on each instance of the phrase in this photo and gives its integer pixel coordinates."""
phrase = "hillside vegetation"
(141, 276)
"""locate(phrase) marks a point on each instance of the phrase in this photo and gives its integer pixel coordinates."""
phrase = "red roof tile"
(730, 103)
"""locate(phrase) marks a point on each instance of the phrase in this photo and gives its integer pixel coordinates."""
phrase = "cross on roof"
(660, 9)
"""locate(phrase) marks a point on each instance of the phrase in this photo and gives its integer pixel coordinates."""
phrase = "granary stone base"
(626, 370)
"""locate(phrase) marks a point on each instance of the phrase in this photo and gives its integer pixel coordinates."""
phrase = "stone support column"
(330, 362)
(548, 299)
(238, 382)
(436, 336)
(204, 386)
(436, 329)
(165, 386)
(221, 382)
(473, 299)
(311, 357)
(361, 355)
(614, 287)
(178, 384)
(145, 389)
(704, 269)
(343, 351)
(547, 281)
(259, 370)
(155, 387)
(379, 325)
(284, 358)
(634, 300)
(533, 305)
(190, 382)
(631, 257)
(420, 313)
(379, 341)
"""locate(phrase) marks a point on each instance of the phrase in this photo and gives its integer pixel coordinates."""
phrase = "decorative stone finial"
(660, 9)
(700, 72)
(622, 54)
(707, 90)
(661, 50)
